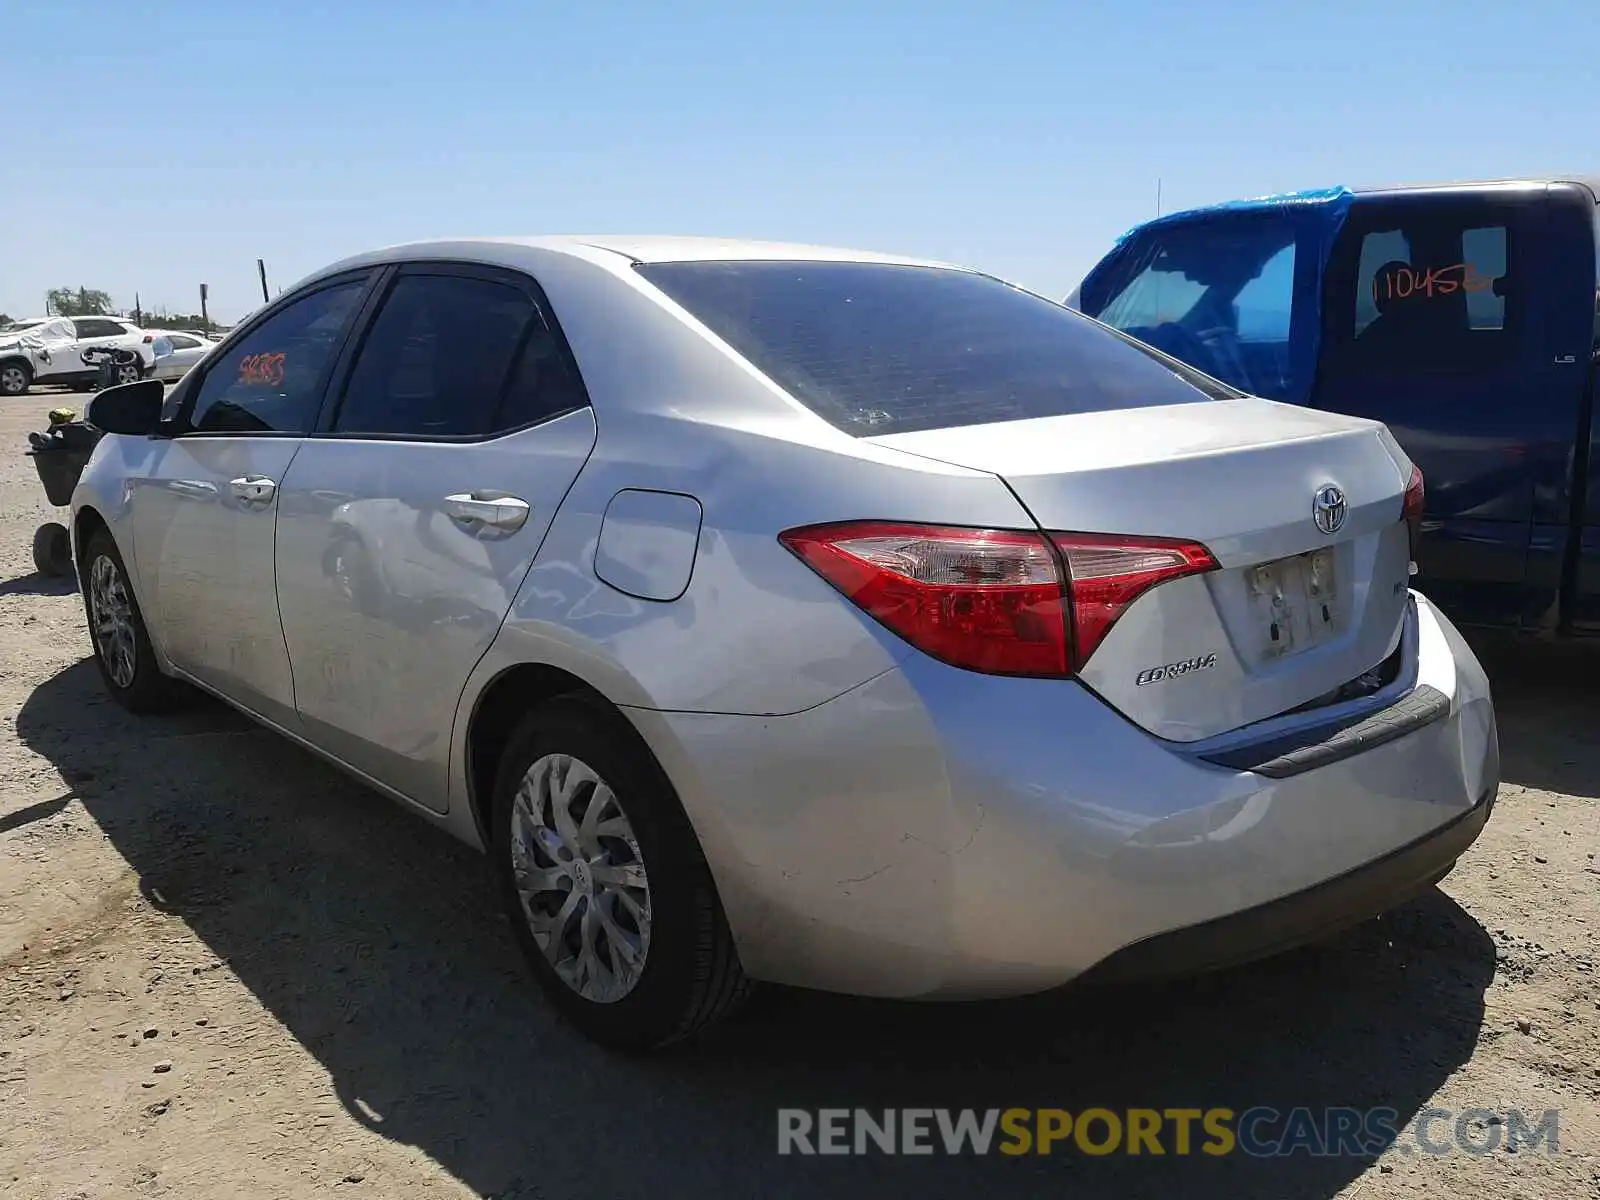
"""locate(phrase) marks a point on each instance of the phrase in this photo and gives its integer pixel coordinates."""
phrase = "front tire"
(15, 378)
(605, 883)
(122, 648)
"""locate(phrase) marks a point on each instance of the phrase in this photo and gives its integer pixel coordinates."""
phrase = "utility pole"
(1158, 195)
(205, 317)
(138, 313)
(261, 269)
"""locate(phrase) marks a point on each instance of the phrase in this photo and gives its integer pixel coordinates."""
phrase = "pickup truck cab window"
(1424, 291)
(1218, 295)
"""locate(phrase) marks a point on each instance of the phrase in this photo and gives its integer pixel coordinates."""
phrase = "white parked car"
(50, 350)
(176, 352)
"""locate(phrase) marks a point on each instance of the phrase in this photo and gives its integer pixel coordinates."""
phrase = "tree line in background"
(77, 302)
(92, 302)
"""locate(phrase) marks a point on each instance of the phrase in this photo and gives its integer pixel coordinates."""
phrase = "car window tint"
(879, 348)
(544, 384)
(436, 359)
(1432, 289)
(179, 342)
(93, 327)
(1215, 292)
(271, 380)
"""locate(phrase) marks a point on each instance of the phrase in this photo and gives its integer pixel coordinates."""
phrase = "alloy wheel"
(112, 620)
(580, 878)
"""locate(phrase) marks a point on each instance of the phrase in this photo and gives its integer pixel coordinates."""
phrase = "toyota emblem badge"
(1328, 508)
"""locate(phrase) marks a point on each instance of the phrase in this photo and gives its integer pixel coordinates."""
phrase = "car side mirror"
(131, 408)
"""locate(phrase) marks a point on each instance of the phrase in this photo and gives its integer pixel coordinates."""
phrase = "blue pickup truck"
(1464, 316)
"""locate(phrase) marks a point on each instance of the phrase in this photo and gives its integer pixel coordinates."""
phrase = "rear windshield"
(877, 349)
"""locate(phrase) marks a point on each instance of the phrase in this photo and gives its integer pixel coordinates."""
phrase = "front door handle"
(253, 489)
(479, 510)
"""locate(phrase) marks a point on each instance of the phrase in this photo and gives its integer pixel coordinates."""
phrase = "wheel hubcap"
(111, 615)
(580, 878)
(12, 379)
(127, 374)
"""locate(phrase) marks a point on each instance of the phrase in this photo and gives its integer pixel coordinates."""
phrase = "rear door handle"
(253, 489)
(474, 511)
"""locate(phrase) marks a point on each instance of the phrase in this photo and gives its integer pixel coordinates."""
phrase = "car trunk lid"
(1293, 611)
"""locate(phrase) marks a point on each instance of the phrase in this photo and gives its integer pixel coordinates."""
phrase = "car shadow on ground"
(378, 944)
(39, 584)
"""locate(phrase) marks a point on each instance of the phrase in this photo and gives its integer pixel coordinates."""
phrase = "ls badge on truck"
(1173, 670)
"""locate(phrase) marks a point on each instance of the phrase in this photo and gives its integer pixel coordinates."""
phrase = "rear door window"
(454, 355)
(879, 349)
(97, 327)
(1421, 288)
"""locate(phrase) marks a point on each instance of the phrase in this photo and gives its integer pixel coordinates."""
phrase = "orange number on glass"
(262, 369)
(1405, 282)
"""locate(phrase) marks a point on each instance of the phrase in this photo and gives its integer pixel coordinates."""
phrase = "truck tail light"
(1412, 511)
(1004, 602)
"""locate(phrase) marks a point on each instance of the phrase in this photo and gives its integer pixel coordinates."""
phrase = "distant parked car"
(800, 615)
(176, 352)
(50, 350)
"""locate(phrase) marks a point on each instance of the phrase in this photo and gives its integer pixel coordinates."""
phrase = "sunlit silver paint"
(875, 821)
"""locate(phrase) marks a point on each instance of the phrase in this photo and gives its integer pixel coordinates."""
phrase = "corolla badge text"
(1173, 670)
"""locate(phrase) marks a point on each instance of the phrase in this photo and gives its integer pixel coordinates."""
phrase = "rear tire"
(52, 550)
(662, 963)
(15, 378)
(122, 648)
(127, 373)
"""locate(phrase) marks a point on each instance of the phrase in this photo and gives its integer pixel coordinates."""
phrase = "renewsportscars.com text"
(1259, 1132)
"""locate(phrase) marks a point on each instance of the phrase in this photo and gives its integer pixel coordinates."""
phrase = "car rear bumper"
(1305, 916)
(938, 833)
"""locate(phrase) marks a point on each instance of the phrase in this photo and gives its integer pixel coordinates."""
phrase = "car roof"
(641, 249)
(644, 249)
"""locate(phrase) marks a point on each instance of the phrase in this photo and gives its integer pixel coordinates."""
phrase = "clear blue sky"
(153, 152)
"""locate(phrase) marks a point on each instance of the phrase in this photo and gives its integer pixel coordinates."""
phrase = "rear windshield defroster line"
(878, 348)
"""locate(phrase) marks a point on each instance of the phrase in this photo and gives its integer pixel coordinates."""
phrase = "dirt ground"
(227, 971)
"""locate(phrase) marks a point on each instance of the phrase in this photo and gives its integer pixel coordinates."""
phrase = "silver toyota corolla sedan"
(775, 613)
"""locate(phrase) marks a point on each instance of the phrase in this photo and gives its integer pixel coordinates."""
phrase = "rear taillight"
(1412, 510)
(148, 338)
(1004, 602)
(1109, 573)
